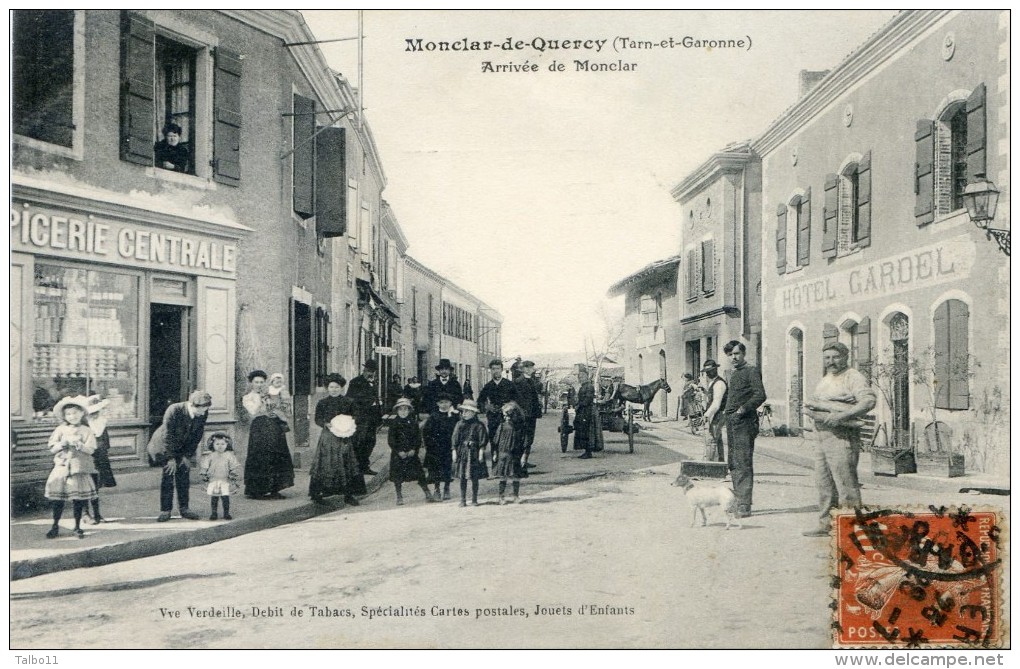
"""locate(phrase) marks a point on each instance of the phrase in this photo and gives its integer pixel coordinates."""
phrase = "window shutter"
(864, 200)
(692, 288)
(227, 117)
(977, 130)
(708, 265)
(781, 239)
(924, 172)
(137, 82)
(304, 156)
(830, 334)
(864, 347)
(830, 216)
(804, 230)
(331, 183)
(941, 362)
(959, 352)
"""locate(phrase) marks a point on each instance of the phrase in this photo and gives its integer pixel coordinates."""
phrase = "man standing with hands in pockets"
(746, 393)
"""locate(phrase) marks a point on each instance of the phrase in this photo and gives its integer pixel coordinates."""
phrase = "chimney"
(809, 79)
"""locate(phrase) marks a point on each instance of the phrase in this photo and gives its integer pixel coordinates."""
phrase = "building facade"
(652, 333)
(720, 206)
(422, 312)
(866, 239)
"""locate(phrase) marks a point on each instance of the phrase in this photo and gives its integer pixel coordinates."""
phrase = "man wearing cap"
(364, 393)
(527, 399)
(745, 394)
(495, 393)
(443, 384)
(715, 418)
(841, 398)
(176, 442)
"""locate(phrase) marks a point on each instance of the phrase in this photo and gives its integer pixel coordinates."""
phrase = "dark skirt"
(268, 468)
(439, 464)
(104, 476)
(403, 470)
(468, 466)
(334, 469)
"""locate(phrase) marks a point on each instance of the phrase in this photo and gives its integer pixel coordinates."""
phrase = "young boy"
(438, 437)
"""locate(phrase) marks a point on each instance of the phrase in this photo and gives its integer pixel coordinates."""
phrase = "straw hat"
(403, 402)
(469, 405)
(79, 401)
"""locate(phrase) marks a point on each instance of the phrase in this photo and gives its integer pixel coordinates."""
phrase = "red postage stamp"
(918, 579)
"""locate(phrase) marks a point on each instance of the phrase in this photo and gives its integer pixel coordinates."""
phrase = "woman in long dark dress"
(103, 478)
(268, 467)
(334, 469)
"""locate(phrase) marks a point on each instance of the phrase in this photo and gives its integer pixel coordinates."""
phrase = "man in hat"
(177, 439)
(715, 418)
(443, 384)
(745, 394)
(495, 393)
(364, 393)
(842, 397)
(527, 398)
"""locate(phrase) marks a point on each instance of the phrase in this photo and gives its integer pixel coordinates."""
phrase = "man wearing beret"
(364, 393)
(527, 398)
(443, 384)
(841, 398)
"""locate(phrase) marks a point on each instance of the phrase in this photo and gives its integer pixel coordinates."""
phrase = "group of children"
(81, 463)
(455, 448)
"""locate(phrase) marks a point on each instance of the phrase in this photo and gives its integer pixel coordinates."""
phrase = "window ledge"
(852, 252)
(794, 270)
(708, 294)
(692, 299)
(72, 152)
(951, 220)
(169, 176)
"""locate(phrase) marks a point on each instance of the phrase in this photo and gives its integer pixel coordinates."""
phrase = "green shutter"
(830, 216)
(227, 117)
(781, 239)
(864, 201)
(977, 131)
(304, 156)
(924, 172)
(331, 182)
(137, 89)
(804, 230)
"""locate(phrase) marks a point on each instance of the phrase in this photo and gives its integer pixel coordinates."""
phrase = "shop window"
(161, 91)
(952, 355)
(950, 153)
(43, 76)
(86, 338)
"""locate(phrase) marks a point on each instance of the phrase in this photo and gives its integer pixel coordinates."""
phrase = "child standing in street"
(507, 449)
(438, 436)
(222, 471)
(405, 442)
(103, 478)
(469, 440)
(72, 445)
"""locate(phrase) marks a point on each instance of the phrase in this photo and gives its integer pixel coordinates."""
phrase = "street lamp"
(981, 198)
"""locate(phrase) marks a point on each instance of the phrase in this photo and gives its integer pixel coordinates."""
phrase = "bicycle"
(696, 412)
(765, 416)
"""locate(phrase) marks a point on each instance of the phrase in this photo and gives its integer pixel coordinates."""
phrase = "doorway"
(899, 333)
(170, 377)
(663, 396)
(796, 378)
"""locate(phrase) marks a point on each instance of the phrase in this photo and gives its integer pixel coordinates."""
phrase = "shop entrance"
(169, 358)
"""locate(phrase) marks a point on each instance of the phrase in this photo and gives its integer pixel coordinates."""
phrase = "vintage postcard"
(434, 329)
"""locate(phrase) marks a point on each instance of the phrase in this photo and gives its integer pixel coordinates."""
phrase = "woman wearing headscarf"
(334, 469)
(268, 467)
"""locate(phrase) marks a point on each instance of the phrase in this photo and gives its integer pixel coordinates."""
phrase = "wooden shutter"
(304, 156)
(227, 118)
(137, 89)
(924, 172)
(708, 266)
(959, 353)
(781, 239)
(804, 230)
(830, 335)
(331, 182)
(977, 132)
(830, 216)
(863, 203)
(692, 275)
(301, 347)
(863, 361)
(942, 356)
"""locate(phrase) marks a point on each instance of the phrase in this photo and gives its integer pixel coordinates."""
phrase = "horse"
(643, 394)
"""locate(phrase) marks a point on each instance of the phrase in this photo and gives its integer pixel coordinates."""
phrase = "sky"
(537, 190)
